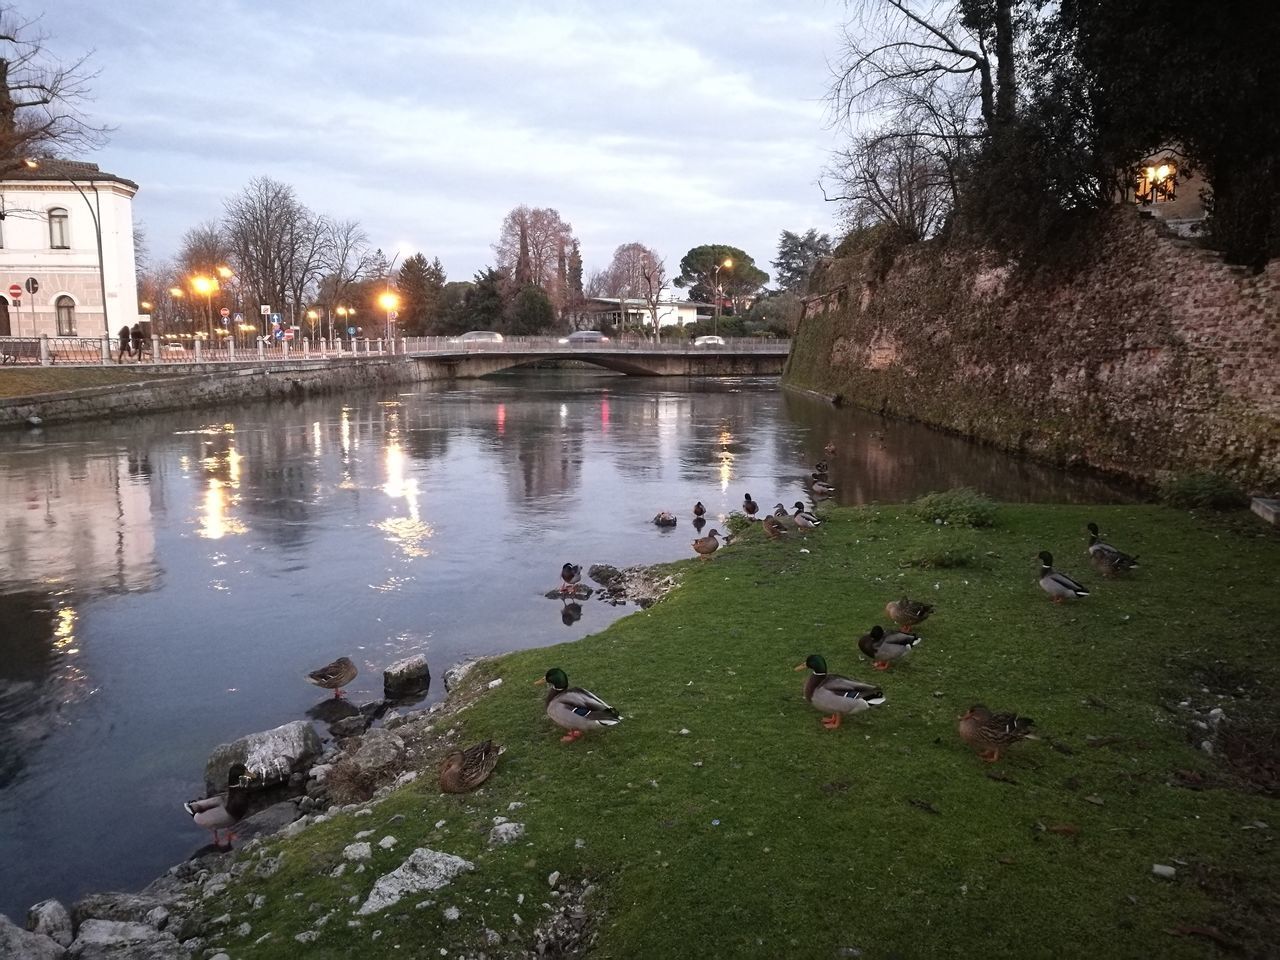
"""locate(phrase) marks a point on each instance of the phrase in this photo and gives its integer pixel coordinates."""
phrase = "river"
(165, 582)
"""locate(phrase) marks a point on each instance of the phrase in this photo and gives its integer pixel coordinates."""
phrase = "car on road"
(477, 336)
(173, 348)
(708, 341)
(580, 337)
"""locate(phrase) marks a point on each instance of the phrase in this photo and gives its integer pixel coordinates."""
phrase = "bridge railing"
(452, 345)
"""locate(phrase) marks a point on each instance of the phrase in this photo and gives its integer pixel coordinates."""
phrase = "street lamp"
(727, 265)
(388, 301)
(314, 317)
(95, 214)
(206, 285)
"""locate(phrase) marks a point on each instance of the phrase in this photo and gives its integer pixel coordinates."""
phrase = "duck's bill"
(801, 666)
(540, 681)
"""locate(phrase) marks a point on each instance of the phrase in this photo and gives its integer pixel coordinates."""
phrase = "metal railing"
(103, 351)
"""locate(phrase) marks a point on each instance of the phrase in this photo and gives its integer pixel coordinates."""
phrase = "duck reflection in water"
(330, 710)
(699, 523)
(570, 613)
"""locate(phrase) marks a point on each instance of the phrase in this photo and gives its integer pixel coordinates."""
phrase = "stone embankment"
(302, 781)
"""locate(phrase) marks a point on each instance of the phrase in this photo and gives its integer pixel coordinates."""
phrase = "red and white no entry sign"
(15, 290)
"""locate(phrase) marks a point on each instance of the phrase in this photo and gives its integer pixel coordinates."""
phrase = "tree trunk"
(1006, 91)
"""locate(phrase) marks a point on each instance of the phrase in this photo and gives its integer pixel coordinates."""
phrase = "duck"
(463, 770)
(830, 448)
(821, 488)
(1058, 585)
(907, 613)
(837, 694)
(884, 648)
(780, 512)
(992, 732)
(698, 509)
(224, 810)
(706, 546)
(575, 709)
(820, 469)
(774, 528)
(665, 519)
(804, 519)
(1106, 557)
(334, 676)
(749, 506)
(570, 576)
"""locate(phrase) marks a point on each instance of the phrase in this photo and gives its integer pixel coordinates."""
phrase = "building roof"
(53, 170)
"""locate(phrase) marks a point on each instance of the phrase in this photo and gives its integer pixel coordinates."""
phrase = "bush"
(1202, 489)
(961, 507)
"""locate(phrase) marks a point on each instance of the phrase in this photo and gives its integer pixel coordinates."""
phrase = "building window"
(1156, 183)
(59, 235)
(66, 316)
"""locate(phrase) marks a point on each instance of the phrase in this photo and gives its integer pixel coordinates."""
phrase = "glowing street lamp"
(206, 285)
(727, 265)
(389, 302)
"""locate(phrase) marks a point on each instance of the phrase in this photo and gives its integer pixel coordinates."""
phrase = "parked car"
(173, 348)
(579, 337)
(477, 336)
(708, 341)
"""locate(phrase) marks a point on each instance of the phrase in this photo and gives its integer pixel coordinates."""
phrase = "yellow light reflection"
(64, 632)
(317, 437)
(215, 524)
(409, 533)
(726, 459)
(346, 434)
(233, 467)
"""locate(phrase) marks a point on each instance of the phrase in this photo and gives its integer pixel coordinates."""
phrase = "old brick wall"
(1149, 354)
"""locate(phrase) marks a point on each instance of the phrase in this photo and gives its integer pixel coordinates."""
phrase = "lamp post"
(727, 264)
(95, 215)
(206, 285)
(177, 293)
(342, 317)
(388, 301)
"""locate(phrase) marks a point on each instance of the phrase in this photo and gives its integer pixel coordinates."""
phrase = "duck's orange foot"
(832, 721)
(991, 756)
(571, 736)
(882, 664)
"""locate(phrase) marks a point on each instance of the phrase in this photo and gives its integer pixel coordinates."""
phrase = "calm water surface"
(164, 583)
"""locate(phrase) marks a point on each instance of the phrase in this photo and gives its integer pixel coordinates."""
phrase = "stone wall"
(205, 388)
(1149, 354)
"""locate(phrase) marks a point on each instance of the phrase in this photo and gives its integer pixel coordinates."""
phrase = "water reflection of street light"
(388, 301)
(727, 265)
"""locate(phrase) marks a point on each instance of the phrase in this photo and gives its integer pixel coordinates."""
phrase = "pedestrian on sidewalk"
(124, 343)
(137, 341)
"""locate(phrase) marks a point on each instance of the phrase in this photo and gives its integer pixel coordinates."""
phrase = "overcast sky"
(665, 122)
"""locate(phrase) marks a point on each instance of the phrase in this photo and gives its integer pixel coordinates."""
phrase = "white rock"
(320, 772)
(553, 878)
(440, 823)
(407, 777)
(364, 812)
(357, 851)
(495, 683)
(452, 913)
(50, 918)
(243, 930)
(295, 828)
(364, 833)
(504, 833)
(424, 869)
(514, 805)
(306, 936)
(386, 843)
(272, 755)
(1163, 871)
(221, 956)
(18, 943)
(339, 870)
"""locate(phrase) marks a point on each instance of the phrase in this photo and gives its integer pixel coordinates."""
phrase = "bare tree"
(531, 247)
(892, 178)
(349, 260)
(626, 270)
(205, 248)
(40, 97)
(653, 277)
(597, 284)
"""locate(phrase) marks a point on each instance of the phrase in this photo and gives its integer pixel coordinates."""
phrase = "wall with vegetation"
(1145, 354)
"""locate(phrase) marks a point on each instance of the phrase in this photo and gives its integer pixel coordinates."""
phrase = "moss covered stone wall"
(1148, 354)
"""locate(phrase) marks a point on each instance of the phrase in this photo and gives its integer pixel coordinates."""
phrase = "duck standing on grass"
(750, 507)
(464, 770)
(992, 732)
(570, 576)
(884, 648)
(1058, 585)
(804, 519)
(774, 528)
(1106, 557)
(706, 546)
(224, 810)
(575, 709)
(907, 613)
(334, 676)
(837, 695)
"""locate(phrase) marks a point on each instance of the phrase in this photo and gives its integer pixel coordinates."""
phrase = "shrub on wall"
(1203, 489)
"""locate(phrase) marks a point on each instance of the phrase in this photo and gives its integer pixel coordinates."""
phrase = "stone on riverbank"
(423, 870)
(51, 918)
(117, 907)
(379, 752)
(411, 675)
(274, 755)
(268, 821)
(122, 940)
(21, 944)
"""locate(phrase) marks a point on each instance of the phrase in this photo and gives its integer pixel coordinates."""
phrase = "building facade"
(55, 220)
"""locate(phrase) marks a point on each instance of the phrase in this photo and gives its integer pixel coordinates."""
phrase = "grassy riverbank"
(720, 818)
(33, 381)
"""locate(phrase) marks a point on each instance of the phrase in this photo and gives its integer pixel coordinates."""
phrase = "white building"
(672, 312)
(52, 218)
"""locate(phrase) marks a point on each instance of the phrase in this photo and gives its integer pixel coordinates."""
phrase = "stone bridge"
(737, 357)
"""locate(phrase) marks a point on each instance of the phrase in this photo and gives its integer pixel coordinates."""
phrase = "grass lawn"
(29, 381)
(721, 820)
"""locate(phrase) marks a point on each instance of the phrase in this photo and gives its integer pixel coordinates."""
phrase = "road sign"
(288, 334)
(265, 309)
(32, 285)
(275, 318)
(238, 318)
(279, 334)
(392, 315)
(15, 291)
(351, 331)
(225, 312)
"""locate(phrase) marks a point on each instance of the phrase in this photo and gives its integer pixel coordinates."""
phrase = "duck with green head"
(1057, 584)
(836, 695)
(575, 709)
(1107, 558)
(224, 810)
(886, 648)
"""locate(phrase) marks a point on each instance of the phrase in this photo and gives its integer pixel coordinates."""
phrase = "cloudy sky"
(671, 123)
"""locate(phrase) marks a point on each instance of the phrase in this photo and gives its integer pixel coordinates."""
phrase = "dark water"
(164, 583)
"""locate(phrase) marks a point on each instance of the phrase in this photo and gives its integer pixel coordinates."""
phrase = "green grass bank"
(721, 820)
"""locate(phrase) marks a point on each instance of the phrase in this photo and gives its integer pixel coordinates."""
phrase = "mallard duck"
(820, 469)
(1058, 585)
(907, 613)
(774, 528)
(706, 546)
(570, 576)
(884, 648)
(780, 512)
(224, 810)
(980, 728)
(830, 448)
(575, 709)
(463, 770)
(838, 695)
(804, 519)
(749, 506)
(822, 488)
(698, 509)
(1106, 557)
(665, 519)
(334, 676)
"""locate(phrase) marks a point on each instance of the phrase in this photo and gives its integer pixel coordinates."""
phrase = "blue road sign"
(275, 319)
(351, 331)
(279, 334)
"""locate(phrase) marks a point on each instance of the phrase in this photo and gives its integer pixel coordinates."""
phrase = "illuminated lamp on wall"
(1156, 184)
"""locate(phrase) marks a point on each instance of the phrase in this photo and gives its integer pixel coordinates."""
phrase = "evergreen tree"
(531, 312)
(484, 306)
